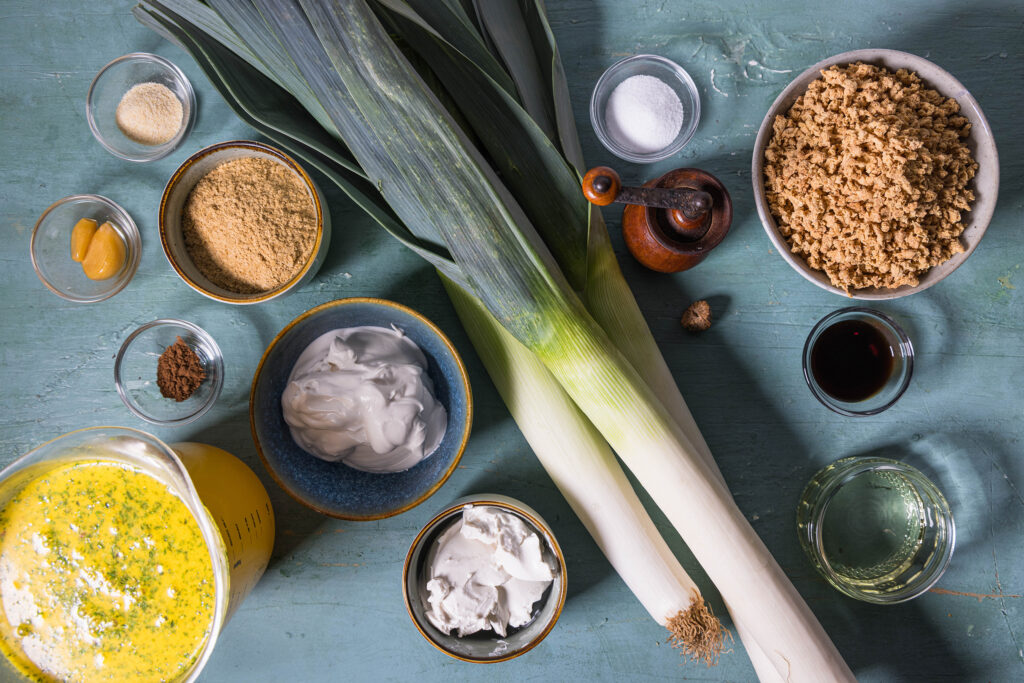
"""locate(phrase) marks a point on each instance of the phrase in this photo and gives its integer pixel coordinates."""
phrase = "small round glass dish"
(111, 84)
(136, 366)
(877, 529)
(50, 248)
(857, 361)
(666, 71)
(482, 647)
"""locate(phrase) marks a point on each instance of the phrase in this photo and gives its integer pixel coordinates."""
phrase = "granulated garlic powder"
(249, 225)
(149, 114)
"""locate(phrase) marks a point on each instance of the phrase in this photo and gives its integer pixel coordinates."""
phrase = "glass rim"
(183, 487)
(133, 247)
(905, 346)
(158, 151)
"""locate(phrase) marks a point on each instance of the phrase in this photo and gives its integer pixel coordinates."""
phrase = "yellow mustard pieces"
(101, 251)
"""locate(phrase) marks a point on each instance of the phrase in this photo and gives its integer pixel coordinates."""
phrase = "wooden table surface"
(330, 605)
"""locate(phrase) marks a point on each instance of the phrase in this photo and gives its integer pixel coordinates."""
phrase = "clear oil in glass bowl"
(876, 529)
(873, 527)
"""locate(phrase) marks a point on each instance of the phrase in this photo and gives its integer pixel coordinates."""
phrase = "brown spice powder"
(249, 225)
(179, 371)
(867, 176)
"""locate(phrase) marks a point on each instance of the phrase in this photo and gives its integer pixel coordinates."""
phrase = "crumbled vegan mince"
(866, 176)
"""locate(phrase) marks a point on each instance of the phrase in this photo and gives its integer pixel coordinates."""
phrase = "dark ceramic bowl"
(333, 488)
(485, 647)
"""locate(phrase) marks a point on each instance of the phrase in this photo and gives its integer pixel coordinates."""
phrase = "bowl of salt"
(645, 108)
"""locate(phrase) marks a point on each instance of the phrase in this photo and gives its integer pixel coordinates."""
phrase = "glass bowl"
(668, 72)
(110, 85)
(50, 248)
(135, 372)
(484, 646)
(899, 346)
(877, 529)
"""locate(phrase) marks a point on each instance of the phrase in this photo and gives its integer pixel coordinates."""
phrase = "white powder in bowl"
(150, 114)
(643, 114)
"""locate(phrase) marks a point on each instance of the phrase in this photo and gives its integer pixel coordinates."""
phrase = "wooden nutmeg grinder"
(671, 223)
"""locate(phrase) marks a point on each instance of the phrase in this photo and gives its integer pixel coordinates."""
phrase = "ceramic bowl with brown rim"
(483, 647)
(175, 196)
(985, 184)
(334, 488)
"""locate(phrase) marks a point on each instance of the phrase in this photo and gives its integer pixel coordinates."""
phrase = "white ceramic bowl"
(176, 193)
(981, 143)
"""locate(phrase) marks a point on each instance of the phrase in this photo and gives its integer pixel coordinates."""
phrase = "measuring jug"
(225, 497)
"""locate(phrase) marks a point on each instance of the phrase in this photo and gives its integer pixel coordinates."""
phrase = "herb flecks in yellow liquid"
(104, 576)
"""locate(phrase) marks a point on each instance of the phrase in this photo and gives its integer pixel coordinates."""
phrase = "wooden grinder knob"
(688, 207)
(601, 185)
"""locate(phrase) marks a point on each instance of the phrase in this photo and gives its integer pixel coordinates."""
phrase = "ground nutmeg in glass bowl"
(249, 225)
(179, 372)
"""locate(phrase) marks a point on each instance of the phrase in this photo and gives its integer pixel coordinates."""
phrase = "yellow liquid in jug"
(104, 576)
(239, 507)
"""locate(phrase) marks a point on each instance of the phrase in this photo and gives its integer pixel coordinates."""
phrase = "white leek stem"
(611, 302)
(585, 470)
(684, 485)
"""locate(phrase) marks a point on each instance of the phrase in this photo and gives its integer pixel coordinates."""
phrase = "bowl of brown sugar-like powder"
(242, 222)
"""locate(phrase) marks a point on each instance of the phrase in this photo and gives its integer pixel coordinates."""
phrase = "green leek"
(586, 472)
(464, 209)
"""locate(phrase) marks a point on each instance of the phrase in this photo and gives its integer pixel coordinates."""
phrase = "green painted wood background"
(330, 606)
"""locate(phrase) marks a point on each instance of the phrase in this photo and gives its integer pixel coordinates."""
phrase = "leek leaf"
(530, 165)
(253, 99)
(449, 22)
(447, 184)
(258, 37)
(505, 23)
(547, 50)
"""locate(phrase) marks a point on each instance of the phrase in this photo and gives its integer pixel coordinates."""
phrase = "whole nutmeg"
(697, 317)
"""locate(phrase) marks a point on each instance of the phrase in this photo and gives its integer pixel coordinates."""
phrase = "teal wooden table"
(330, 606)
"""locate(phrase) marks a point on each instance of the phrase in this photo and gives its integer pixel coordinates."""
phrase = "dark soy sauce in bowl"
(852, 360)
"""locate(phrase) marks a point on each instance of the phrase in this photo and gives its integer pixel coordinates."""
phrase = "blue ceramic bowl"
(334, 488)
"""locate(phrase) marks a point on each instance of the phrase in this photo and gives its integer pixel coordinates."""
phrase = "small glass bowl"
(853, 512)
(50, 248)
(483, 647)
(899, 378)
(117, 78)
(664, 70)
(135, 372)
